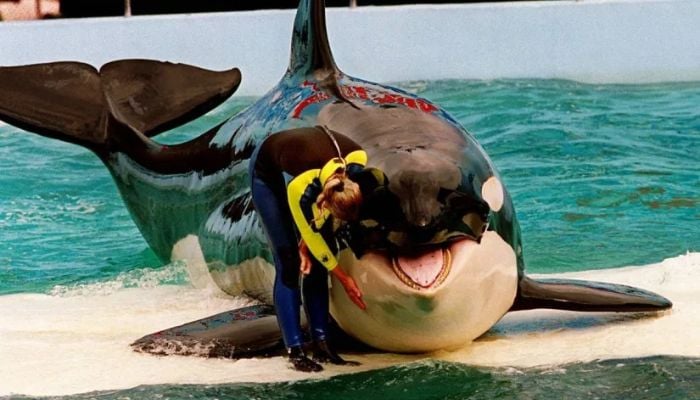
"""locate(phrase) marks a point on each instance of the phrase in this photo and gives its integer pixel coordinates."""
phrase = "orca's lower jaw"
(435, 297)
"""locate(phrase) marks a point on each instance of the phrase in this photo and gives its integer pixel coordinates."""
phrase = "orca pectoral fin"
(62, 100)
(576, 295)
(152, 96)
(240, 333)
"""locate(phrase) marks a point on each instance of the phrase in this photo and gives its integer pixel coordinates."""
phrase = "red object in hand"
(350, 287)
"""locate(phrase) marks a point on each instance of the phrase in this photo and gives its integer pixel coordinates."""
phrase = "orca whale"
(438, 256)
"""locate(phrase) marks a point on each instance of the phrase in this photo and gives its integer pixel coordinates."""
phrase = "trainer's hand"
(350, 287)
(305, 265)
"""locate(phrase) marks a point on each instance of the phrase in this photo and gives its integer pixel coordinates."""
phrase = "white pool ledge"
(616, 41)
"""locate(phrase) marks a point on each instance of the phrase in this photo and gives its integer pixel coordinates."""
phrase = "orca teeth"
(439, 278)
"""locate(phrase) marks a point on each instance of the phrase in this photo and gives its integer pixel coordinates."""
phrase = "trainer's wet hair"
(340, 195)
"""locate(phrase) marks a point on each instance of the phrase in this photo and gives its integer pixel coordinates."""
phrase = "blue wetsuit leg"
(278, 224)
(315, 290)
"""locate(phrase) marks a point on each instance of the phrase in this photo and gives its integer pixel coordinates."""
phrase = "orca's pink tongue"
(424, 268)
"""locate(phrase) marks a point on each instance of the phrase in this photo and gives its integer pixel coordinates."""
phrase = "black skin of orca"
(434, 169)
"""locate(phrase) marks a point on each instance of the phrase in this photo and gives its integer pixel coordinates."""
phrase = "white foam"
(143, 278)
(53, 345)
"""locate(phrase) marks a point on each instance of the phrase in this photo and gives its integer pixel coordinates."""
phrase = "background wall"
(594, 41)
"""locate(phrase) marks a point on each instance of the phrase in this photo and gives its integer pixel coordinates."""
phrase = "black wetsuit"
(276, 161)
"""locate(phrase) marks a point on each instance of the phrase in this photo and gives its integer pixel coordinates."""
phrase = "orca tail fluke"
(152, 97)
(62, 100)
(244, 332)
(577, 295)
(76, 103)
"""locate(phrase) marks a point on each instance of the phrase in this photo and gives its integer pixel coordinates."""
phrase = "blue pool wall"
(617, 41)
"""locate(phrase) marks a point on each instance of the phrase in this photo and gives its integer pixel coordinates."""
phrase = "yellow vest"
(296, 189)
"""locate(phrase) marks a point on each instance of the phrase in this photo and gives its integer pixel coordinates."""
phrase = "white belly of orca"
(479, 288)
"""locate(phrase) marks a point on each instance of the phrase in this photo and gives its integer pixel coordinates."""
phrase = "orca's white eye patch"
(492, 193)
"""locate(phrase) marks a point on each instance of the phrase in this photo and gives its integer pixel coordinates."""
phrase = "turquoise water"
(601, 175)
(647, 378)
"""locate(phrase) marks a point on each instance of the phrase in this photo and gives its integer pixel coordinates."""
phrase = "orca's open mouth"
(423, 269)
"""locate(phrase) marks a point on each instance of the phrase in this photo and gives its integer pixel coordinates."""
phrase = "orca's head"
(423, 255)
